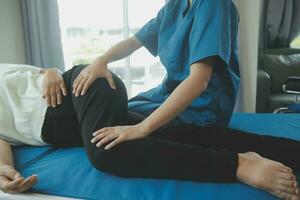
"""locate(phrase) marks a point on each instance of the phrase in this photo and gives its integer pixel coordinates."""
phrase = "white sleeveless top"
(22, 108)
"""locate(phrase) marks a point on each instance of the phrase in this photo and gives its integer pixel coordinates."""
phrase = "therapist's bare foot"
(298, 195)
(267, 175)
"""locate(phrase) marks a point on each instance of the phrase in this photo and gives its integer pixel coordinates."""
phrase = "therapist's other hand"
(12, 182)
(89, 74)
(113, 136)
(53, 88)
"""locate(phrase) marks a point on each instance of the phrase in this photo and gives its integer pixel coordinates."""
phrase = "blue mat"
(67, 172)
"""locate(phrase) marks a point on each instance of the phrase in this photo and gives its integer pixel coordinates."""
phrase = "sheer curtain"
(280, 23)
(42, 33)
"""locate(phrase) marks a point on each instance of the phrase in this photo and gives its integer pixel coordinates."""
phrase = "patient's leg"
(152, 157)
(149, 157)
(63, 124)
(61, 127)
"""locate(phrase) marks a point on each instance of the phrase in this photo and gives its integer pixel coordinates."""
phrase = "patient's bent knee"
(110, 161)
(104, 160)
(101, 85)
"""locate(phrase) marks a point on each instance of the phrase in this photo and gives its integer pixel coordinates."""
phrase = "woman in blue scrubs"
(197, 44)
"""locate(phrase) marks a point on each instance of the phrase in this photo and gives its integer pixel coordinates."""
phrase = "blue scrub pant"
(176, 151)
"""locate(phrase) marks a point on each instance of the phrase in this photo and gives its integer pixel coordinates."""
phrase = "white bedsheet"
(31, 196)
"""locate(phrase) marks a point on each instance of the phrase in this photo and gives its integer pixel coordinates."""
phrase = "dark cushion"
(263, 91)
(280, 64)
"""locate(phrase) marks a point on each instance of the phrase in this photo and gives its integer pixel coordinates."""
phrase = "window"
(296, 42)
(90, 27)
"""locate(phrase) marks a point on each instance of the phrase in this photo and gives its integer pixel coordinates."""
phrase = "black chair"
(278, 82)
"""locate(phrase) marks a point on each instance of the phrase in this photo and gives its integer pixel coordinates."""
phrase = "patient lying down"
(32, 100)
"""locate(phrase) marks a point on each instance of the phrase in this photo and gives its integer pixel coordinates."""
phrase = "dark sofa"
(275, 66)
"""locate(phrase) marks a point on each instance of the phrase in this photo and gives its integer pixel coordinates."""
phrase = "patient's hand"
(11, 181)
(53, 88)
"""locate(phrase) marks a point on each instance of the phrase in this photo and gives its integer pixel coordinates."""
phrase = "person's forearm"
(190, 89)
(6, 156)
(177, 102)
(121, 50)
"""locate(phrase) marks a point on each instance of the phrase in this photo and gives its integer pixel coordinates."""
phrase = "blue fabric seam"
(38, 158)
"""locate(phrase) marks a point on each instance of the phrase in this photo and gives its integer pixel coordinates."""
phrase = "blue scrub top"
(182, 34)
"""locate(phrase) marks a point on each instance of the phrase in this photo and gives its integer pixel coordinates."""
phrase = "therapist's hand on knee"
(12, 182)
(89, 74)
(112, 136)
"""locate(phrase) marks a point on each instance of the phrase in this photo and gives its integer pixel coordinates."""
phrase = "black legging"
(182, 151)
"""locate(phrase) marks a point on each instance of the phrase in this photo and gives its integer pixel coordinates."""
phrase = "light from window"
(90, 27)
(296, 43)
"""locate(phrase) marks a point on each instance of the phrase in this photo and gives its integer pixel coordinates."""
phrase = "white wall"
(12, 47)
(250, 12)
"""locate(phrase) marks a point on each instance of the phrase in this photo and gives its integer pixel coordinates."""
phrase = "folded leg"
(149, 157)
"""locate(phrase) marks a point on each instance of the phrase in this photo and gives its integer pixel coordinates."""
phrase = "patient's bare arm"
(11, 181)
